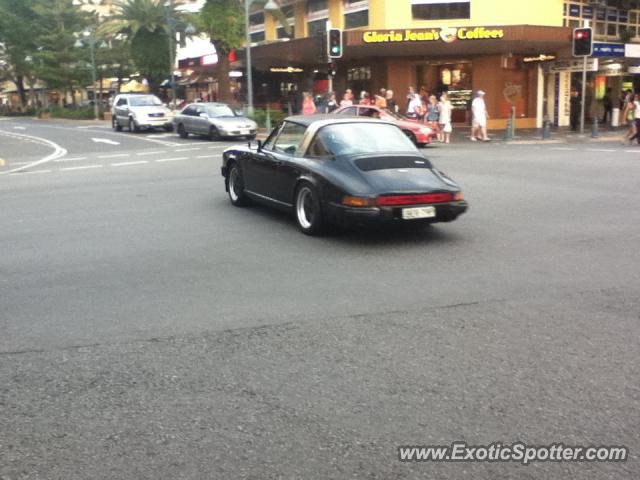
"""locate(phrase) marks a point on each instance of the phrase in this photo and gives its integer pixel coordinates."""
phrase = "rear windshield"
(364, 138)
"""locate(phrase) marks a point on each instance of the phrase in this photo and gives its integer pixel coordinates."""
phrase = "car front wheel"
(115, 125)
(308, 210)
(133, 126)
(236, 187)
(182, 132)
(214, 134)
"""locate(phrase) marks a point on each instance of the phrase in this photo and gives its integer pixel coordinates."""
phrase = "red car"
(419, 133)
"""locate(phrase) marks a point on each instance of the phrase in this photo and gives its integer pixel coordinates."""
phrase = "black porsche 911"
(328, 169)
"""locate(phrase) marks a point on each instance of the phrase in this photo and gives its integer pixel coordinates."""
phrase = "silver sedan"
(215, 120)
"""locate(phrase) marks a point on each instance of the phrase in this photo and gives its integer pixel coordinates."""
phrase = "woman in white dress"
(445, 108)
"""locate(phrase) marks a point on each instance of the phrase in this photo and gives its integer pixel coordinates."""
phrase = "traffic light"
(334, 41)
(332, 69)
(582, 42)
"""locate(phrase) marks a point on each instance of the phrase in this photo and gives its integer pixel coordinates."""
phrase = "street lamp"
(91, 42)
(270, 6)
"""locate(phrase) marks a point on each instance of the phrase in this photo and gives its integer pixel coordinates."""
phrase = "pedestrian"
(607, 103)
(432, 114)
(411, 93)
(332, 104)
(480, 117)
(628, 117)
(351, 96)
(414, 109)
(445, 118)
(346, 100)
(636, 103)
(574, 109)
(381, 99)
(308, 107)
(391, 103)
(365, 98)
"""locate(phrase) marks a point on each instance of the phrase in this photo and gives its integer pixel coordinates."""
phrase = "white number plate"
(419, 212)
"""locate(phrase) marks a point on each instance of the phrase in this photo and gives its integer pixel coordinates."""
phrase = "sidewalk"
(534, 136)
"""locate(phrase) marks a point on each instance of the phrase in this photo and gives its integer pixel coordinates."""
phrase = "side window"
(271, 140)
(318, 149)
(290, 138)
(188, 111)
(348, 111)
(198, 110)
(368, 112)
(121, 102)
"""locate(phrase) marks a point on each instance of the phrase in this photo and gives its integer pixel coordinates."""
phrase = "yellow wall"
(389, 14)
(336, 13)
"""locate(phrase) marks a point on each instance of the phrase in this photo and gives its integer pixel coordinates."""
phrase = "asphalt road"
(152, 330)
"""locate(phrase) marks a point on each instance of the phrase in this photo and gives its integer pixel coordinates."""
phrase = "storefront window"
(289, 15)
(258, 37)
(317, 27)
(440, 9)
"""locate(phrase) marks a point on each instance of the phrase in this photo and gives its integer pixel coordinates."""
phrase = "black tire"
(168, 128)
(214, 134)
(115, 125)
(182, 132)
(235, 185)
(308, 210)
(411, 137)
(133, 127)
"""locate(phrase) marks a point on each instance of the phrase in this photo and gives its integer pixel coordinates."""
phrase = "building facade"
(519, 52)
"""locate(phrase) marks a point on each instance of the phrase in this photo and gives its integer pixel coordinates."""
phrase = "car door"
(122, 111)
(282, 166)
(252, 164)
(185, 118)
(200, 124)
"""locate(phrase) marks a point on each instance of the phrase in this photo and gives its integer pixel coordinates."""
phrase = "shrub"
(260, 117)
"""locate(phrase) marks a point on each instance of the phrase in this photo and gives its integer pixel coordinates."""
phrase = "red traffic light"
(582, 42)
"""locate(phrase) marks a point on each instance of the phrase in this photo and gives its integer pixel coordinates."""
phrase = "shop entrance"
(454, 78)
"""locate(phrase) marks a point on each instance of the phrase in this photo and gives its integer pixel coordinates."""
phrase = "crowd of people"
(434, 111)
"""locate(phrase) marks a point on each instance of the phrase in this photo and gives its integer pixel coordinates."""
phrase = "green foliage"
(150, 53)
(223, 22)
(82, 113)
(260, 117)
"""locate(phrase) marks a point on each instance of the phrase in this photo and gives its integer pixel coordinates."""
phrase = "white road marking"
(632, 151)
(58, 151)
(84, 167)
(115, 155)
(187, 149)
(126, 164)
(29, 172)
(204, 156)
(72, 159)
(105, 140)
(566, 149)
(151, 153)
(600, 150)
(20, 128)
(171, 159)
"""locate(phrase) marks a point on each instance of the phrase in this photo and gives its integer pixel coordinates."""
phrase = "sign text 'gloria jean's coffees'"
(445, 34)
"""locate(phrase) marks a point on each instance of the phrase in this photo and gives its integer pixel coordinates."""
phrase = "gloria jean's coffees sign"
(445, 34)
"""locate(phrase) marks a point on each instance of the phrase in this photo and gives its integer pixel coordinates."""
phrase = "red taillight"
(415, 199)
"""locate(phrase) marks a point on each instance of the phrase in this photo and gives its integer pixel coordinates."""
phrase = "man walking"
(480, 117)
(574, 109)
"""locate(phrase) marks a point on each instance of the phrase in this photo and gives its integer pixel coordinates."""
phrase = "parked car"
(215, 120)
(346, 170)
(417, 132)
(137, 112)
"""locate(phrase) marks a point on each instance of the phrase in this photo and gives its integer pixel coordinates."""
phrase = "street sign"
(601, 49)
(573, 65)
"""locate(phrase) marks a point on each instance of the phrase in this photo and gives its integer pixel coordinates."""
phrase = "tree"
(147, 26)
(223, 22)
(17, 42)
(56, 60)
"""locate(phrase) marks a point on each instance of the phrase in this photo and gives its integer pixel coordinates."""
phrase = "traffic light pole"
(584, 92)
(329, 59)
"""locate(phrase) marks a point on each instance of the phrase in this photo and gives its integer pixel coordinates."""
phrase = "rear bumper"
(342, 215)
(423, 138)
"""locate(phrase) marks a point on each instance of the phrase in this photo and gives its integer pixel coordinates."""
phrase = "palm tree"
(149, 27)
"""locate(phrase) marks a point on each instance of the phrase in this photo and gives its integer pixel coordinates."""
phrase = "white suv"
(137, 111)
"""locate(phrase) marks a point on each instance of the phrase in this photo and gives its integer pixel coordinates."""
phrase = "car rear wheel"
(308, 210)
(133, 126)
(168, 128)
(236, 187)
(214, 134)
(182, 132)
(410, 135)
(115, 125)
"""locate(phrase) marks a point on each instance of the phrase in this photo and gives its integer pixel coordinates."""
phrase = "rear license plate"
(418, 212)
